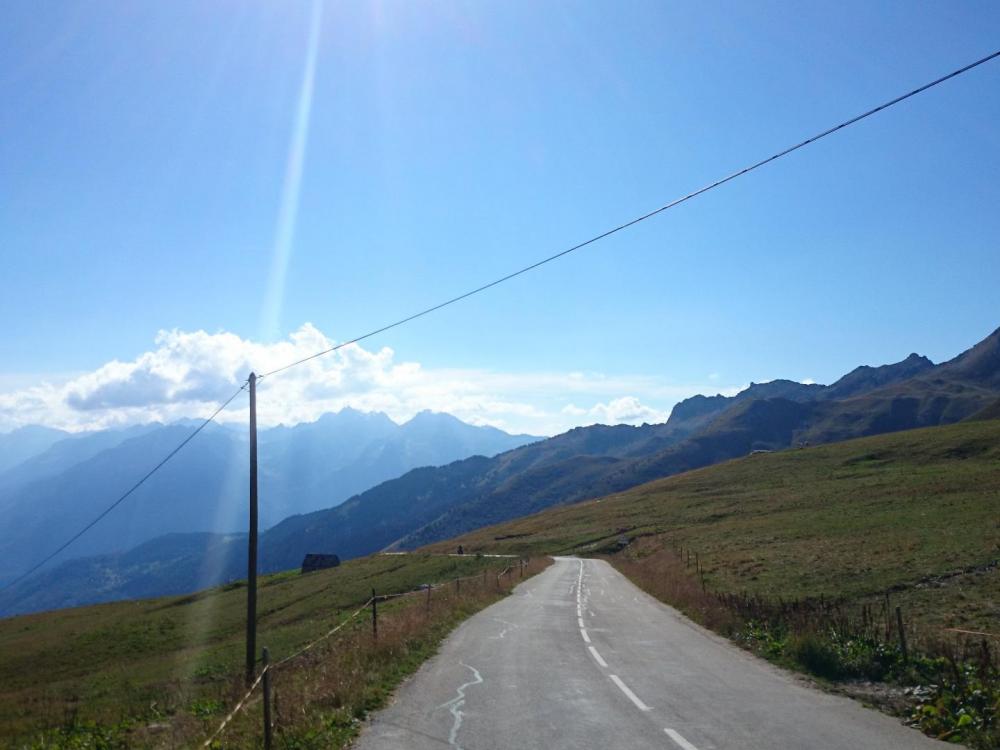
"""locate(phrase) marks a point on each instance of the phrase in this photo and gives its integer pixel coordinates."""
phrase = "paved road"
(580, 658)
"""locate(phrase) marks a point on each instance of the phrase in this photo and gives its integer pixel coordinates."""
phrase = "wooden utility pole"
(252, 541)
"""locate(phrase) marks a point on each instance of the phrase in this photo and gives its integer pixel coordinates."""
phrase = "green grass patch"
(905, 513)
(845, 532)
(163, 672)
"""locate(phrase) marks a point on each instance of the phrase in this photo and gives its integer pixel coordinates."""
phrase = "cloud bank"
(187, 374)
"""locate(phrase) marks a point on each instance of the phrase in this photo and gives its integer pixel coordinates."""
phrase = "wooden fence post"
(888, 622)
(266, 658)
(902, 634)
(374, 616)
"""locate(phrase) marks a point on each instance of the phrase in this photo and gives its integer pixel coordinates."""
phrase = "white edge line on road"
(676, 737)
(629, 694)
(597, 656)
(579, 621)
(586, 638)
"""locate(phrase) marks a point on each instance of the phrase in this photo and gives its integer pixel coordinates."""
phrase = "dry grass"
(320, 698)
(913, 513)
(945, 683)
(664, 574)
(164, 673)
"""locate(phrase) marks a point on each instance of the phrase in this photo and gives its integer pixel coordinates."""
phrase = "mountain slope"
(990, 412)
(70, 450)
(197, 490)
(913, 512)
(590, 462)
(866, 378)
(428, 504)
(312, 465)
(171, 564)
(320, 464)
(25, 442)
(979, 365)
(943, 394)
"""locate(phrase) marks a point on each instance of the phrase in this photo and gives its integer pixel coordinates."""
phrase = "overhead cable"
(127, 493)
(633, 222)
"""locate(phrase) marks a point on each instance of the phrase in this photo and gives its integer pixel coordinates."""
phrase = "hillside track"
(578, 657)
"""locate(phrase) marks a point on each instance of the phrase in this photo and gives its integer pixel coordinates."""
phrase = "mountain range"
(50, 495)
(432, 503)
(429, 505)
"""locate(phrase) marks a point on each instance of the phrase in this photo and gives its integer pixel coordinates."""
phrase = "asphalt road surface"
(578, 657)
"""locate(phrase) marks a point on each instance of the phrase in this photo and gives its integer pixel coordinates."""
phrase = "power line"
(128, 492)
(489, 285)
(635, 221)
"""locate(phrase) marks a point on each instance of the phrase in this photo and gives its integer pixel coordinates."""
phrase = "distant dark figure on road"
(460, 550)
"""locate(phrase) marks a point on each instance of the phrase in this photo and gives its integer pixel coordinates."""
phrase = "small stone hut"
(313, 562)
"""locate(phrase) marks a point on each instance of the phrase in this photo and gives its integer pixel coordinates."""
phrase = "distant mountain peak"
(429, 417)
(349, 412)
(867, 378)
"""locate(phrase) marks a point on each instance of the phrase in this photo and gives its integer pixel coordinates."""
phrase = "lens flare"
(288, 213)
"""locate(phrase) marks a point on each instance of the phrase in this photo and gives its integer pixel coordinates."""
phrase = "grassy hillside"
(436, 503)
(163, 672)
(990, 412)
(846, 519)
(803, 556)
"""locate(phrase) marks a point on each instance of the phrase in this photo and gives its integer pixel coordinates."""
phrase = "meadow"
(915, 514)
(803, 556)
(165, 672)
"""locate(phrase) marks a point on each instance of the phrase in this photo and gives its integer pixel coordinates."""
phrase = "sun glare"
(288, 211)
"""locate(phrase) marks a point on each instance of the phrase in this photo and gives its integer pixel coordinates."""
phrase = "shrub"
(817, 654)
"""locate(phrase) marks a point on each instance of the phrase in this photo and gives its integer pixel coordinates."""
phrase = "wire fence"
(523, 566)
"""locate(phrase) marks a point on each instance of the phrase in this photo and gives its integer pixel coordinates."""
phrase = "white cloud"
(627, 410)
(623, 410)
(187, 374)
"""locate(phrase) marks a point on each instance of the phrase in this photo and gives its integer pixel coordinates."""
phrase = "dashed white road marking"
(676, 737)
(629, 694)
(671, 733)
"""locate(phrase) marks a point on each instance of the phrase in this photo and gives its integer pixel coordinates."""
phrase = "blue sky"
(148, 181)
